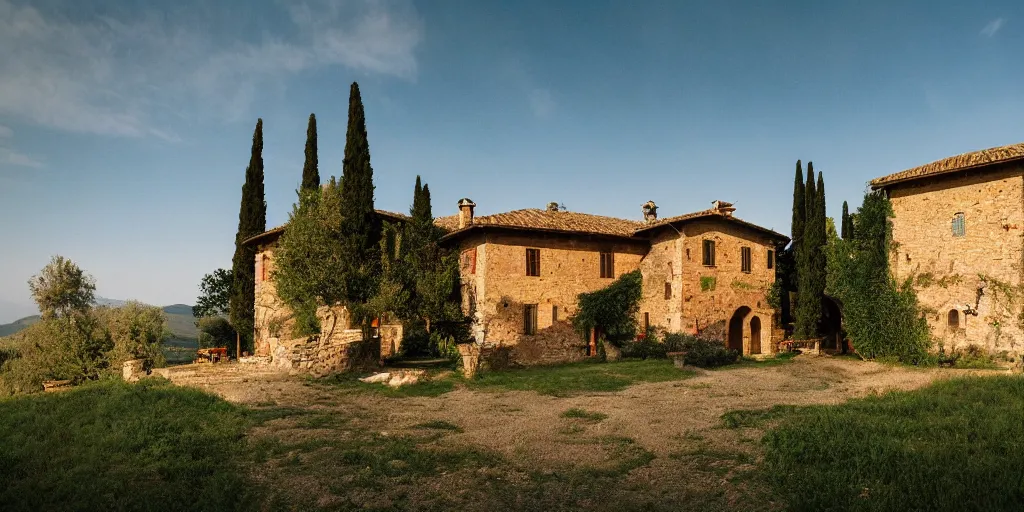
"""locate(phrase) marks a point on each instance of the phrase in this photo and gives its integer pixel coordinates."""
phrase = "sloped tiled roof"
(449, 223)
(711, 212)
(955, 163)
(559, 221)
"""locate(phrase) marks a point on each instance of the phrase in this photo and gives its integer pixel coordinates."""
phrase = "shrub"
(612, 310)
(647, 348)
(135, 331)
(216, 331)
(701, 352)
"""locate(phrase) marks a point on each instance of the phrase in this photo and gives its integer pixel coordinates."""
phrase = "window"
(469, 261)
(709, 253)
(533, 262)
(607, 265)
(953, 319)
(668, 291)
(647, 322)
(264, 266)
(554, 314)
(771, 259)
(530, 319)
(745, 259)
(958, 225)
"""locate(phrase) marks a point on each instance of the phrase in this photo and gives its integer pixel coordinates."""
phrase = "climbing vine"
(612, 310)
(881, 316)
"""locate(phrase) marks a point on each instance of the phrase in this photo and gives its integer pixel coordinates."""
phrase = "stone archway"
(735, 335)
(755, 335)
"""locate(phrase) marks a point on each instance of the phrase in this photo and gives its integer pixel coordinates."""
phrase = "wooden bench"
(212, 355)
(812, 345)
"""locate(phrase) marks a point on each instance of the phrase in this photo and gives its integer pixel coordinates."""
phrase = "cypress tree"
(361, 227)
(252, 220)
(311, 169)
(845, 223)
(799, 210)
(805, 317)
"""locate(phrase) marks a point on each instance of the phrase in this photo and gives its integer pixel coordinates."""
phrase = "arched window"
(953, 319)
(958, 225)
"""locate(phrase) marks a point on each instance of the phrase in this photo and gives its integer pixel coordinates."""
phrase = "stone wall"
(977, 277)
(336, 349)
(705, 298)
(496, 288)
(273, 318)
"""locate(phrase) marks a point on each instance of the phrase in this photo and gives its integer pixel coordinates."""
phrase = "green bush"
(700, 352)
(612, 310)
(647, 348)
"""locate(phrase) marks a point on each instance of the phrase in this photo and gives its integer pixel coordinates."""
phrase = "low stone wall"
(318, 355)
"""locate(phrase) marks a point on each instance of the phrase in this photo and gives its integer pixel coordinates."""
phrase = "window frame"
(745, 260)
(707, 257)
(532, 262)
(771, 258)
(959, 221)
(607, 260)
(668, 290)
(529, 319)
(554, 313)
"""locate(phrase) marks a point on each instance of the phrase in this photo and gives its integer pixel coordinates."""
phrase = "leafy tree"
(252, 220)
(311, 168)
(135, 331)
(612, 310)
(62, 288)
(311, 259)
(360, 228)
(215, 331)
(215, 294)
(881, 317)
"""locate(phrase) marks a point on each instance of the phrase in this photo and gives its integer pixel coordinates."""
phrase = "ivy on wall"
(612, 310)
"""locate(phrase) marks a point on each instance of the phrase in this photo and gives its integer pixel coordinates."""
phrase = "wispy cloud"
(10, 157)
(992, 27)
(120, 75)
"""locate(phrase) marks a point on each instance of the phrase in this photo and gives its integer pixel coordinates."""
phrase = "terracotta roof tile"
(711, 212)
(955, 163)
(570, 222)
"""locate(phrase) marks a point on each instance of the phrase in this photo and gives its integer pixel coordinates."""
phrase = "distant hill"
(180, 321)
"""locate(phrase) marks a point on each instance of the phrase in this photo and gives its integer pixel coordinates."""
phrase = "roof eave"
(880, 183)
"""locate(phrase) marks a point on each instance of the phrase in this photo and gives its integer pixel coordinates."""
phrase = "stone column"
(470, 353)
(132, 370)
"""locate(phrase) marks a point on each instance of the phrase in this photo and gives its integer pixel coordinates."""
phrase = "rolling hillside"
(180, 321)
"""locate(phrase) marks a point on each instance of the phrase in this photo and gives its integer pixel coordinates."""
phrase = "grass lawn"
(955, 445)
(111, 445)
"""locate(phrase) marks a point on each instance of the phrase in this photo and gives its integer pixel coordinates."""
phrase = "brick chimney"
(723, 207)
(650, 211)
(466, 207)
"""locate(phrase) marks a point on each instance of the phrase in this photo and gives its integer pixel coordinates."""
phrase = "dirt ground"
(660, 446)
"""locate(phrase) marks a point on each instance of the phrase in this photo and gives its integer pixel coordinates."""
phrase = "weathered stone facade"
(680, 292)
(969, 284)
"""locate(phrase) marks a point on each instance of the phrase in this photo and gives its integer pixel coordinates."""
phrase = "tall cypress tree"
(818, 263)
(311, 169)
(252, 220)
(805, 317)
(361, 226)
(847, 223)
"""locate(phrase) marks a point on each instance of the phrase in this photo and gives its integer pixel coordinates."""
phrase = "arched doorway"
(736, 329)
(831, 326)
(755, 335)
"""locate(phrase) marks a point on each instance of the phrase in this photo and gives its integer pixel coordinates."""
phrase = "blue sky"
(125, 126)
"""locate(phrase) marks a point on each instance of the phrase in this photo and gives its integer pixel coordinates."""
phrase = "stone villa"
(706, 271)
(959, 235)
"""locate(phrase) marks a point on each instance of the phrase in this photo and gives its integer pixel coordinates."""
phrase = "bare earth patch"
(652, 446)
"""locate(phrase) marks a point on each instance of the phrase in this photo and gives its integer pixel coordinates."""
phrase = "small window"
(647, 322)
(533, 262)
(709, 253)
(771, 259)
(959, 229)
(953, 319)
(745, 259)
(668, 291)
(264, 267)
(554, 314)
(607, 265)
(530, 319)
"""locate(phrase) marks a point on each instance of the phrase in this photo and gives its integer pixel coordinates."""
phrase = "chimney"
(723, 207)
(650, 211)
(552, 207)
(466, 207)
